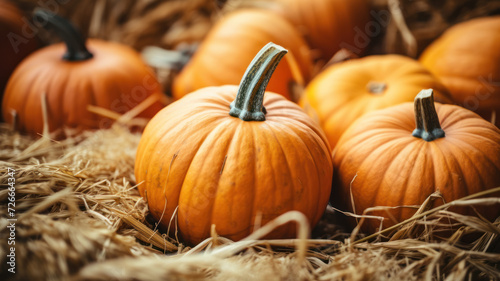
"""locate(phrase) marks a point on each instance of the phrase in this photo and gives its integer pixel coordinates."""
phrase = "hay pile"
(80, 217)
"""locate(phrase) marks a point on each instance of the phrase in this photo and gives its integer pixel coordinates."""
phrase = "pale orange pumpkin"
(400, 155)
(345, 91)
(68, 77)
(467, 60)
(228, 49)
(229, 155)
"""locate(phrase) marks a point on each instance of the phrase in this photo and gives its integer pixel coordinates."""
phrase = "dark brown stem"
(248, 103)
(426, 118)
(75, 42)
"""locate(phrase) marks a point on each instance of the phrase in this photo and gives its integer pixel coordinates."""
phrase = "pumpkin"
(400, 155)
(330, 25)
(16, 45)
(467, 60)
(230, 155)
(69, 77)
(230, 46)
(345, 91)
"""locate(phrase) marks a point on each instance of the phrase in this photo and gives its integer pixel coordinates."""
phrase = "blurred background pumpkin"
(50, 90)
(16, 41)
(466, 58)
(232, 43)
(406, 27)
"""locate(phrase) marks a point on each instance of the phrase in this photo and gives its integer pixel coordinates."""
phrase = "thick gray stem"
(248, 103)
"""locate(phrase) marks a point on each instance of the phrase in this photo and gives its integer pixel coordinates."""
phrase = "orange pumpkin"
(467, 60)
(345, 91)
(211, 160)
(330, 25)
(69, 78)
(230, 46)
(16, 45)
(400, 155)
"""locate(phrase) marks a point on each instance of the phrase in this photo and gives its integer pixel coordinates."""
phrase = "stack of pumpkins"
(237, 156)
(388, 148)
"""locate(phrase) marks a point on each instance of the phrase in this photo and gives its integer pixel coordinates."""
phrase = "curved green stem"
(248, 103)
(426, 119)
(75, 42)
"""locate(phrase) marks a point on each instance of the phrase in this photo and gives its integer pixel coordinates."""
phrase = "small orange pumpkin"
(230, 46)
(467, 60)
(400, 155)
(15, 46)
(330, 25)
(69, 78)
(345, 91)
(228, 155)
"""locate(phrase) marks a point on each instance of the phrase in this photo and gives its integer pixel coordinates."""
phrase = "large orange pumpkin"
(69, 77)
(467, 60)
(228, 49)
(210, 160)
(330, 25)
(16, 43)
(343, 92)
(400, 155)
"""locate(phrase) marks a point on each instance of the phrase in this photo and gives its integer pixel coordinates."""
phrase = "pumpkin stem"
(75, 42)
(426, 119)
(248, 102)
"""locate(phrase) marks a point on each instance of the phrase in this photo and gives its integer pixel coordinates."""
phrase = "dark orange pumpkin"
(330, 25)
(230, 46)
(69, 78)
(229, 155)
(400, 155)
(16, 44)
(467, 60)
(345, 91)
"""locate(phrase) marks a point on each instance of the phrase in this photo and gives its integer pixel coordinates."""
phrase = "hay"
(80, 217)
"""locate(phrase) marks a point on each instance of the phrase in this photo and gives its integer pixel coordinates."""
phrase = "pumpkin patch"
(249, 140)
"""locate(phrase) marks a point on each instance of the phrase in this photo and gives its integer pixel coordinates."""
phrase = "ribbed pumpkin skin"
(467, 60)
(11, 24)
(329, 25)
(230, 46)
(340, 94)
(393, 168)
(115, 78)
(220, 170)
